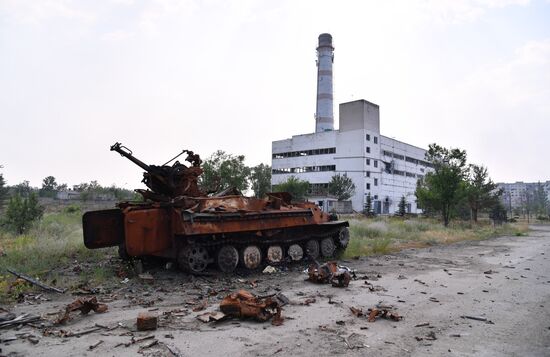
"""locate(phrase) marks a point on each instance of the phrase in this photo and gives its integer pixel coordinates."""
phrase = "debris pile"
(329, 272)
(84, 305)
(372, 314)
(244, 304)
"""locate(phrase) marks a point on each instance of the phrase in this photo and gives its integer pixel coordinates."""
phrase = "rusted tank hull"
(179, 220)
(167, 231)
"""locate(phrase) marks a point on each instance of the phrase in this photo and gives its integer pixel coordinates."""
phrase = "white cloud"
(118, 35)
(34, 12)
(460, 11)
(156, 12)
(518, 81)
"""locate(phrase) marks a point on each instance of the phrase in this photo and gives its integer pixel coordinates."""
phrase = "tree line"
(222, 171)
(20, 206)
(456, 188)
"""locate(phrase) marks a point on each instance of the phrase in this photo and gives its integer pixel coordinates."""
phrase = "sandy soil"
(504, 280)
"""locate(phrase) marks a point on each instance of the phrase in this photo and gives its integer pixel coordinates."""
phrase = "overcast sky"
(161, 76)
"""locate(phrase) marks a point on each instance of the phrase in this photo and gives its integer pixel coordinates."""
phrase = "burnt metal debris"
(179, 220)
(329, 272)
(84, 306)
(244, 304)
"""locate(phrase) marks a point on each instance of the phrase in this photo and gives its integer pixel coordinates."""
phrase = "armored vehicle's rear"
(179, 221)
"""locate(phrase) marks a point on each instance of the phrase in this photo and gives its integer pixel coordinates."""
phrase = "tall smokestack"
(324, 114)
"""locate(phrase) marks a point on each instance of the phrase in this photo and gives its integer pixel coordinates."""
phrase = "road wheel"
(327, 247)
(193, 259)
(228, 258)
(251, 257)
(295, 252)
(343, 237)
(312, 249)
(274, 254)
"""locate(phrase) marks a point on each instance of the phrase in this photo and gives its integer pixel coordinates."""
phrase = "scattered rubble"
(10, 319)
(35, 282)
(211, 316)
(329, 272)
(384, 313)
(147, 321)
(477, 318)
(269, 270)
(244, 304)
(84, 305)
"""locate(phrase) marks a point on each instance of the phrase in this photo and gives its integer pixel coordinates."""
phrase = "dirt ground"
(504, 280)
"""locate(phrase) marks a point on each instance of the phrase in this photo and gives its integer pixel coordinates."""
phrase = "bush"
(21, 213)
(72, 209)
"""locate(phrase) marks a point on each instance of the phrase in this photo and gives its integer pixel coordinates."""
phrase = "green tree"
(367, 210)
(22, 189)
(442, 189)
(21, 213)
(402, 208)
(49, 187)
(297, 188)
(498, 212)
(481, 191)
(222, 170)
(260, 180)
(341, 186)
(3, 190)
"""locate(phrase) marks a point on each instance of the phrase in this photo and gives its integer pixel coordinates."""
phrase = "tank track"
(298, 236)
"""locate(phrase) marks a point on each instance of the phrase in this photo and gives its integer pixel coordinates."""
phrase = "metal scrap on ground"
(379, 311)
(84, 305)
(329, 272)
(244, 304)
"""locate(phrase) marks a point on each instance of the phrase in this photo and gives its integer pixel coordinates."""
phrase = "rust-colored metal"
(84, 305)
(244, 304)
(329, 273)
(177, 215)
(374, 313)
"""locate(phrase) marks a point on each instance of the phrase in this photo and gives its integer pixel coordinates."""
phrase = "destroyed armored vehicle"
(178, 221)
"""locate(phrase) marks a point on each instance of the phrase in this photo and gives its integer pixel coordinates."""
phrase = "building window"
(375, 139)
(368, 137)
(367, 173)
(375, 182)
(375, 197)
(323, 151)
(368, 186)
(375, 163)
(368, 149)
(368, 161)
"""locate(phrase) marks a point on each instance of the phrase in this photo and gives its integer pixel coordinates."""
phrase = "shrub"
(21, 213)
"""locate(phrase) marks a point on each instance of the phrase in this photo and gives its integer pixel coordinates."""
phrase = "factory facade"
(386, 168)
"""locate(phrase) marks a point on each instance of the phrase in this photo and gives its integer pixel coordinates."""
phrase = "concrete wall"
(359, 130)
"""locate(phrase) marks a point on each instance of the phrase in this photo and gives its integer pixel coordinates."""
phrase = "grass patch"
(383, 235)
(52, 244)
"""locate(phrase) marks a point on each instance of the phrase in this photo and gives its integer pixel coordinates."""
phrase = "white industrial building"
(384, 167)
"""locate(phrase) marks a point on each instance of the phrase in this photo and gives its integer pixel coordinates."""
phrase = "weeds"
(384, 235)
(53, 243)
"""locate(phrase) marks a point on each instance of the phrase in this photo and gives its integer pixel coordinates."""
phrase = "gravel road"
(505, 281)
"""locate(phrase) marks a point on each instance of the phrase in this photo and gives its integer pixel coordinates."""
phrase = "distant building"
(516, 195)
(386, 168)
(68, 195)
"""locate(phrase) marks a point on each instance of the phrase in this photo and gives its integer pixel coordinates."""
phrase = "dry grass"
(383, 235)
(51, 245)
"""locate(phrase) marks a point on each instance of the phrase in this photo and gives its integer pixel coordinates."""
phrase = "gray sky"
(160, 76)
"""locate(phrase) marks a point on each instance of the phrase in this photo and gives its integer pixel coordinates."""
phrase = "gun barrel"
(127, 153)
